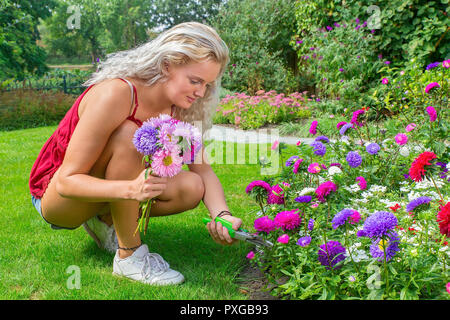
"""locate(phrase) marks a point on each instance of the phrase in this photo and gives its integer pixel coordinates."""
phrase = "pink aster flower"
(250, 255)
(431, 86)
(275, 144)
(264, 224)
(258, 183)
(283, 239)
(313, 127)
(362, 183)
(432, 113)
(401, 139)
(410, 127)
(296, 165)
(340, 124)
(314, 168)
(287, 220)
(167, 162)
(446, 64)
(355, 217)
(385, 81)
(324, 190)
(276, 195)
(356, 116)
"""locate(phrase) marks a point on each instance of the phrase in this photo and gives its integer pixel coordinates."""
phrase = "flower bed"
(359, 216)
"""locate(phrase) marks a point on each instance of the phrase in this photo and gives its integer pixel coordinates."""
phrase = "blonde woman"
(89, 172)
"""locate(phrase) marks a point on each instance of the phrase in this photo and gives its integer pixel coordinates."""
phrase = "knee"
(122, 140)
(192, 189)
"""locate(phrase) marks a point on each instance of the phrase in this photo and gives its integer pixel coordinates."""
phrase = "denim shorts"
(37, 205)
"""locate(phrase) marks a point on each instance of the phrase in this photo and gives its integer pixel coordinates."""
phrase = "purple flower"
(373, 148)
(264, 224)
(387, 62)
(354, 159)
(145, 139)
(417, 202)
(319, 148)
(291, 160)
(341, 69)
(341, 217)
(361, 233)
(331, 253)
(379, 224)
(303, 199)
(433, 65)
(311, 224)
(390, 245)
(344, 128)
(304, 241)
(322, 138)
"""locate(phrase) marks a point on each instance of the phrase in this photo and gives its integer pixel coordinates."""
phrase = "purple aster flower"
(303, 199)
(341, 69)
(344, 128)
(145, 139)
(264, 224)
(319, 148)
(322, 138)
(311, 224)
(304, 241)
(433, 65)
(414, 204)
(373, 148)
(361, 233)
(291, 160)
(354, 159)
(341, 217)
(390, 245)
(379, 224)
(331, 253)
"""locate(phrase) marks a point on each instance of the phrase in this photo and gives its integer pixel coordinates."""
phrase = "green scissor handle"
(226, 224)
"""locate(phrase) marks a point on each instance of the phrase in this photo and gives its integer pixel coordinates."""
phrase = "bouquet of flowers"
(166, 144)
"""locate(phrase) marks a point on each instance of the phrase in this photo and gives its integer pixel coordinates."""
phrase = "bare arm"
(107, 107)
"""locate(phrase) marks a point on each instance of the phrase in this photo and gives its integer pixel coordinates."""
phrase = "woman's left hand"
(220, 234)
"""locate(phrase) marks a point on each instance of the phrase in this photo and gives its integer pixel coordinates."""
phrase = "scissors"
(241, 234)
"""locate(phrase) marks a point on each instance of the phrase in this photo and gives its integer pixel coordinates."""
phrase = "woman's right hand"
(145, 189)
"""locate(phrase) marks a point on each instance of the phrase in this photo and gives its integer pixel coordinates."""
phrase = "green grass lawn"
(34, 259)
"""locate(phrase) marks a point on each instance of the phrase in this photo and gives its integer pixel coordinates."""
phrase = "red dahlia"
(417, 169)
(443, 217)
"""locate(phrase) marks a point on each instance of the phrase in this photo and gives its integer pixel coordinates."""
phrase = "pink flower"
(264, 224)
(340, 124)
(410, 127)
(324, 190)
(446, 64)
(362, 183)
(431, 86)
(275, 144)
(276, 195)
(313, 127)
(283, 239)
(355, 117)
(250, 255)
(314, 168)
(385, 81)
(167, 163)
(298, 143)
(287, 220)
(296, 165)
(448, 287)
(355, 217)
(432, 113)
(401, 139)
(258, 183)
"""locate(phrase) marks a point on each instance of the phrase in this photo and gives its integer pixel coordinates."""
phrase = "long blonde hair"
(181, 44)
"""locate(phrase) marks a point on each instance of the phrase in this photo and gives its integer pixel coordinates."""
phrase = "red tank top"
(52, 153)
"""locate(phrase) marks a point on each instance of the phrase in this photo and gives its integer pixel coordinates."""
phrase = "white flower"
(334, 170)
(404, 151)
(306, 191)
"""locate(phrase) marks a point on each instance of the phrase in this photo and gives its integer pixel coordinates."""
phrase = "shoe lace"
(154, 263)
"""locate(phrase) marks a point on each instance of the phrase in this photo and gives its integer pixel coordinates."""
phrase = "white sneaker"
(103, 235)
(146, 267)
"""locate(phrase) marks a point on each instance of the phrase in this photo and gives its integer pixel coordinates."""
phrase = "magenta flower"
(250, 255)
(448, 283)
(276, 195)
(314, 168)
(275, 144)
(264, 224)
(355, 217)
(431, 86)
(362, 183)
(283, 239)
(410, 127)
(287, 220)
(258, 183)
(340, 124)
(385, 81)
(446, 64)
(432, 113)
(355, 117)
(297, 165)
(324, 190)
(401, 139)
(313, 127)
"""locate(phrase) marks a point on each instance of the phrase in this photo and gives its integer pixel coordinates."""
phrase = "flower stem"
(440, 195)
(385, 267)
